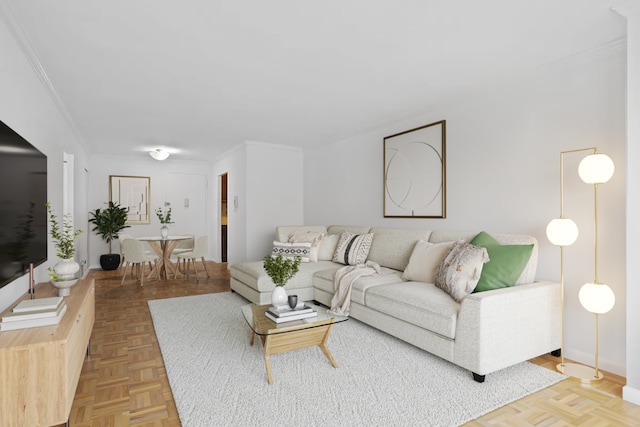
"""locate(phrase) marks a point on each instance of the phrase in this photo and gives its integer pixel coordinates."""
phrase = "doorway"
(223, 216)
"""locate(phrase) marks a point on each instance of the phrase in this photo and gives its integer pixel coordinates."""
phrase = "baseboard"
(631, 394)
(604, 364)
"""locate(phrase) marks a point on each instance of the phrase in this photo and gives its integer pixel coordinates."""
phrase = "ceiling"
(201, 76)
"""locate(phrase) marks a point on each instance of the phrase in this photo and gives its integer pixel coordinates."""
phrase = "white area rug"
(218, 379)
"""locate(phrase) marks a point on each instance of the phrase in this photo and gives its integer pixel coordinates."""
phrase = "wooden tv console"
(40, 367)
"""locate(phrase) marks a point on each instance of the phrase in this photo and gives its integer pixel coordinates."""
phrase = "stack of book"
(284, 313)
(32, 313)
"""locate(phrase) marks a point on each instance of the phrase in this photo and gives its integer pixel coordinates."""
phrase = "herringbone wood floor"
(124, 381)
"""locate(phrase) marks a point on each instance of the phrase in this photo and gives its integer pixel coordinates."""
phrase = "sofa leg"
(557, 353)
(478, 378)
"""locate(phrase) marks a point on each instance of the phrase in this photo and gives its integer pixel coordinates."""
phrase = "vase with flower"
(63, 274)
(280, 269)
(165, 220)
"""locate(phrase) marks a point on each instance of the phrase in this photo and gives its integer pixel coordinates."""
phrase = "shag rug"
(217, 379)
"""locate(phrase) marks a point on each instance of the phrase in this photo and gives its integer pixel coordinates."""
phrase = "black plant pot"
(109, 261)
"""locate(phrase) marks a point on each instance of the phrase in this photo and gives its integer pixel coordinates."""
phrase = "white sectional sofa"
(485, 332)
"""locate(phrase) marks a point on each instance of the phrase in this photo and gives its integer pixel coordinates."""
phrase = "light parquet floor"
(124, 382)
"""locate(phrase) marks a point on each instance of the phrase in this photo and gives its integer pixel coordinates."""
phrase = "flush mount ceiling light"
(159, 154)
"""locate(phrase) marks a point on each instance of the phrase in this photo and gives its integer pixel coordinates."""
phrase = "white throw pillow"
(328, 247)
(353, 249)
(425, 260)
(292, 250)
(308, 237)
(460, 270)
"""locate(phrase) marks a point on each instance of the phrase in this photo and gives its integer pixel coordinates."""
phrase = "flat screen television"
(23, 214)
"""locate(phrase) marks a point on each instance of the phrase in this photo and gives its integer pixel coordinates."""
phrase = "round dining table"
(164, 246)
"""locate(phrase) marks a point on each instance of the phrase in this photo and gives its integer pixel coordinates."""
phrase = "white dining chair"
(199, 251)
(121, 238)
(184, 246)
(135, 255)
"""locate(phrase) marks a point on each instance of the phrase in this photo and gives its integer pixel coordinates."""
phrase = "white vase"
(63, 286)
(67, 269)
(279, 296)
(164, 231)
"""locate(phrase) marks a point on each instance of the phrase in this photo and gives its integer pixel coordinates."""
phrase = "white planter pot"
(63, 286)
(67, 269)
(164, 231)
(279, 296)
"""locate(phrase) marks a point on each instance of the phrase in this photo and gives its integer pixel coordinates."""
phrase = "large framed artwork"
(414, 173)
(132, 192)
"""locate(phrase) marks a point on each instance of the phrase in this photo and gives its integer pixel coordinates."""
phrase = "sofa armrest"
(500, 328)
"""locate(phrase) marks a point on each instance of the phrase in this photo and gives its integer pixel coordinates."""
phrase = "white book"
(291, 312)
(38, 304)
(285, 307)
(290, 318)
(27, 315)
(34, 323)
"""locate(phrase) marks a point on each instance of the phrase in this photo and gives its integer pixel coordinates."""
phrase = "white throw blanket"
(343, 282)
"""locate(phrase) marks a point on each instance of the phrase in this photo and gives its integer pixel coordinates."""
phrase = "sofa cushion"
(425, 260)
(324, 280)
(392, 247)
(460, 270)
(528, 273)
(284, 231)
(355, 229)
(505, 265)
(421, 304)
(352, 249)
(328, 247)
(253, 275)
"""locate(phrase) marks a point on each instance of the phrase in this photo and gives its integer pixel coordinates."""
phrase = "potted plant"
(62, 275)
(280, 270)
(108, 223)
(165, 219)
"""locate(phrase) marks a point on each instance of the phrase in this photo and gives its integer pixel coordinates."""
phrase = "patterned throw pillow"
(308, 237)
(292, 250)
(353, 249)
(460, 270)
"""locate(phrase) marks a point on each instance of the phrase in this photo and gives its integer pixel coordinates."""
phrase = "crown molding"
(7, 16)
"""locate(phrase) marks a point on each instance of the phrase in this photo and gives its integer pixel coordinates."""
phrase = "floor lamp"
(595, 297)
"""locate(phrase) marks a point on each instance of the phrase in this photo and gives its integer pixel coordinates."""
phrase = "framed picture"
(414, 173)
(132, 192)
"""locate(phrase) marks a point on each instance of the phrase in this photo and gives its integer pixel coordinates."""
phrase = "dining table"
(164, 246)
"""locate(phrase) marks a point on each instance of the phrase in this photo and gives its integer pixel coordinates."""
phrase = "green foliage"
(63, 235)
(281, 269)
(109, 222)
(164, 218)
(54, 276)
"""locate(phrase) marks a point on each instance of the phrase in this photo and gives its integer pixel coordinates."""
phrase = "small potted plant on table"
(62, 275)
(108, 223)
(280, 270)
(165, 219)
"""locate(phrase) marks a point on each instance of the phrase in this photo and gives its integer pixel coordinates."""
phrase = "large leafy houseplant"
(108, 223)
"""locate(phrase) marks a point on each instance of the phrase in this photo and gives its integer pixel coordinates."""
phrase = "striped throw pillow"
(353, 249)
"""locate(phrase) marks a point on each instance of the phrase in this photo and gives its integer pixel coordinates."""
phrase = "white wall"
(631, 391)
(28, 108)
(192, 176)
(266, 179)
(502, 157)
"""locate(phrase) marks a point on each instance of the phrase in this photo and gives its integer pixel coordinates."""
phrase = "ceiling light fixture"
(159, 154)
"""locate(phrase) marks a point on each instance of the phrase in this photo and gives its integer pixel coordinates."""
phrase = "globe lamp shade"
(562, 232)
(596, 169)
(597, 298)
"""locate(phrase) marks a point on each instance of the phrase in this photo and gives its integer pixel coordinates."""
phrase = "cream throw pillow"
(328, 247)
(308, 237)
(425, 260)
(460, 270)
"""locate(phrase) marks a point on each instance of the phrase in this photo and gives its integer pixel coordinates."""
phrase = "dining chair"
(134, 254)
(199, 250)
(121, 238)
(184, 246)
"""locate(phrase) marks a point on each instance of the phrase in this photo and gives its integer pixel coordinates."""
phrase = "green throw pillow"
(505, 265)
